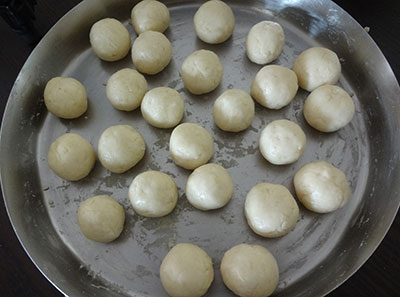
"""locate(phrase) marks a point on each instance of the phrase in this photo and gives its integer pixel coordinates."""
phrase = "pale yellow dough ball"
(150, 15)
(151, 52)
(214, 22)
(120, 148)
(65, 97)
(271, 210)
(234, 110)
(250, 271)
(202, 72)
(209, 187)
(274, 86)
(110, 40)
(162, 107)
(265, 42)
(101, 218)
(282, 142)
(328, 108)
(153, 194)
(71, 157)
(315, 67)
(321, 187)
(190, 145)
(186, 271)
(125, 89)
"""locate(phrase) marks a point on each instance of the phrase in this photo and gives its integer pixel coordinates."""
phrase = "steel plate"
(322, 251)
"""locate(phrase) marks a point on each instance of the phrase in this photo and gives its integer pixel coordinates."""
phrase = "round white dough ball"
(271, 210)
(234, 110)
(214, 22)
(209, 187)
(321, 187)
(65, 97)
(186, 271)
(101, 218)
(71, 157)
(190, 145)
(120, 148)
(250, 271)
(202, 72)
(282, 142)
(125, 89)
(274, 86)
(151, 52)
(315, 67)
(265, 42)
(110, 40)
(150, 15)
(328, 108)
(153, 194)
(162, 107)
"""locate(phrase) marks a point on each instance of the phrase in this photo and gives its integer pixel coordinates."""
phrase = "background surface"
(380, 276)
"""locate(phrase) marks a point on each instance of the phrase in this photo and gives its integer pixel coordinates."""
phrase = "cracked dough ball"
(265, 42)
(315, 67)
(282, 142)
(214, 22)
(250, 271)
(209, 187)
(101, 218)
(120, 148)
(321, 187)
(162, 107)
(202, 72)
(150, 15)
(328, 108)
(191, 146)
(274, 86)
(65, 97)
(271, 210)
(71, 157)
(125, 89)
(153, 194)
(186, 271)
(234, 110)
(110, 40)
(151, 52)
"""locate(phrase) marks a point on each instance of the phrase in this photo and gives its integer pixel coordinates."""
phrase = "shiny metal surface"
(322, 251)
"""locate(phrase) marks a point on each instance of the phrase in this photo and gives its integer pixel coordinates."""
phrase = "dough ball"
(191, 145)
(162, 107)
(328, 108)
(214, 22)
(321, 187)
(274, 86)
(234, 110)
(209, 187)
(265, 42)
(202, 72)
(250, 271)
(282, 142)
(150, 15)
(151, 52)
(271, 210)
(65, 97)
(315, 67)
(101, 218)
(153, 194)
(186, 271)
(110, 40)
(120, 148)
(125, 89)
(71, 157)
